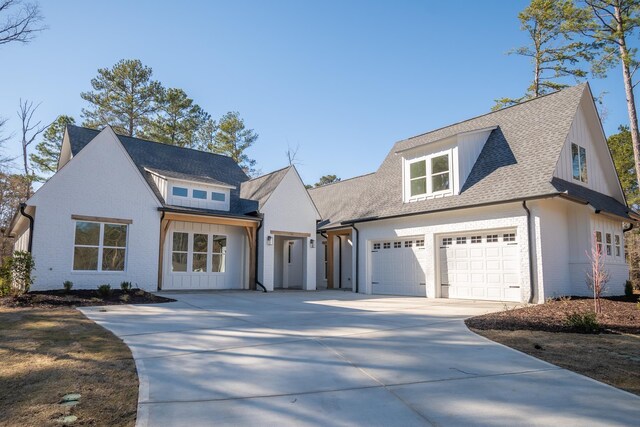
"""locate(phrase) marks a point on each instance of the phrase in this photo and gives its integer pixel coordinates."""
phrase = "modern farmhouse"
(503, 206)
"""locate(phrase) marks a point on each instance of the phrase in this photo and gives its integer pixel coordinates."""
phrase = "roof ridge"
(496, 111)
(153, 142)
(343, 180)
(270, 173)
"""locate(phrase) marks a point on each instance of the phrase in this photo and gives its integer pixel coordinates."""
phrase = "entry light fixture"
(269, 240)
(312, 243)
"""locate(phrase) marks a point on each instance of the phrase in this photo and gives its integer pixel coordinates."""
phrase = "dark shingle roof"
(599, 201)
(337, 202)
(259, 189)
(187, 177)
(517, 161)
(181, 162)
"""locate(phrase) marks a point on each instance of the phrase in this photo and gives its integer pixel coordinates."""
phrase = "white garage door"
(480, 266)
(398, 267)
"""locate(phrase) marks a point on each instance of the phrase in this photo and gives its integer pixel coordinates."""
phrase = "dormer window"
(200, 194)
(180, 191)
(579, 162)
(430, 175)
(217, 197)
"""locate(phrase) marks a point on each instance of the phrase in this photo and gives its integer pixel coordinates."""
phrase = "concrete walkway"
(335, 358)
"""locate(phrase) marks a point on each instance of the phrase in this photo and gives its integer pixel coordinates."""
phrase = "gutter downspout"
(624, 230)
(257, 257)
(357, 256)
(31, 221)
(531, 273)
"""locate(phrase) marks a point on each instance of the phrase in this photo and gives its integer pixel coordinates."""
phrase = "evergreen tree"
(45, 159)
(232, 139)
(621, 147)
(553, 52)
(327, 179)
(123, 96)
(178, 121)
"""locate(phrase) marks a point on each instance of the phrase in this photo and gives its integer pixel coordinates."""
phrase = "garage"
(398, 267)
(480, 265)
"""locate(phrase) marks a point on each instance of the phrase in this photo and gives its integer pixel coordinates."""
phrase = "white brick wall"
(99, 181)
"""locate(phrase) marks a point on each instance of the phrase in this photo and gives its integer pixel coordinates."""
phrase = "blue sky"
(343, 80)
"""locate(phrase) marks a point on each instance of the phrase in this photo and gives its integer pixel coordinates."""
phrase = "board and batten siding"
(100, 181)
(601, 175)
(192, 202)
(235, 275)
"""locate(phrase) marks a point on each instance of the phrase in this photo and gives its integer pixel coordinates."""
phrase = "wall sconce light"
(312, 243)
(269, 240)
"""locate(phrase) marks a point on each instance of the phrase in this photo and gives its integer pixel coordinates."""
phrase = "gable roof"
(261, 188)
(517, 161)
(336, 201)
(181, 163)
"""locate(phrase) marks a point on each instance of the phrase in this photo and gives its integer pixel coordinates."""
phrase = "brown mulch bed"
(619, 314)
(80, 298)
(46, 354)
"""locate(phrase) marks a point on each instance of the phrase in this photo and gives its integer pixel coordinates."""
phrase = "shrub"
(125, 286)
(125, 298)
(104, 290)
(17, 272)
(140, 293)
(5, 287)
(585, 323)
(628, 288)
(67, 285)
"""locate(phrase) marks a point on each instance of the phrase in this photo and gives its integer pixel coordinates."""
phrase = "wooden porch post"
(164, 226)
(253, 253)
(330, 236)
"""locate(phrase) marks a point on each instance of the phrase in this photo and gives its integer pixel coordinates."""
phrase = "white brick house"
(500, 207)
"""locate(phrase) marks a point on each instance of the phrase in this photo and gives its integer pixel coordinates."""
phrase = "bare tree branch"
(19, 21)
(30, 131)
(292, 155)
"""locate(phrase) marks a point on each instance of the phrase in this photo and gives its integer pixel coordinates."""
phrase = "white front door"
(398, 267)
(480, 265)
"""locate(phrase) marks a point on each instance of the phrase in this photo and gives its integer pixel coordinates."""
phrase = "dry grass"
(611, 358)
(45, 354)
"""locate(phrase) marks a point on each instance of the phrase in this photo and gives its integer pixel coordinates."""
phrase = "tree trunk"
(628, 88)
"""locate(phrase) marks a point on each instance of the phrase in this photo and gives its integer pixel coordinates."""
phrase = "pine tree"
(45, 159)
(232, 139)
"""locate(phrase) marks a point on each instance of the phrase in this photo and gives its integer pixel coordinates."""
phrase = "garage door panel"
(480, 266)
(399, 269)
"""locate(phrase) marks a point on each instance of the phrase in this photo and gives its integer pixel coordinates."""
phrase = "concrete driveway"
(335, 358)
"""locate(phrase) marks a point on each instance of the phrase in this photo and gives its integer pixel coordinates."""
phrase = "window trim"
(224, 197)
(175, 187)
(202, 192)
(190, 252)
(617, 243)
(429, 175)
(100, 247)
(608, 239)
(580, 149)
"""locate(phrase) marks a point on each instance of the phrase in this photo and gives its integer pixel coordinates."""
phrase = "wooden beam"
(101, 219)
(251, 239)
(202, 219)
(289, 233)
(330, 237)
(164, 226)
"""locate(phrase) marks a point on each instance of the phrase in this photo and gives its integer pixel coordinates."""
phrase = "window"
(200, 253)
(492, 238)
(408, 244)
(397, 245)
(200, 194)
(219, 254)
(420, 243)
(599, 241)
(376, 246)
(447, 241)
(476, 239)
(461, 240)
(608, 240)
(386, 245)
(99, 246)
(616, 239)
(179, 251)
(180, 191)
(217, 197)
(509, 237)
(579, 162)
(440, 173)
(418, 177)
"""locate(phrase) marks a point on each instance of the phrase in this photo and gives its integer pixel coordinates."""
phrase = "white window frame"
(100, 247)
(193, 194)
(190, 253)
(177, 187)
(429, 175)
(586, 159)
(609, 244)
(618, 246)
